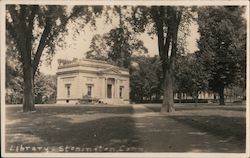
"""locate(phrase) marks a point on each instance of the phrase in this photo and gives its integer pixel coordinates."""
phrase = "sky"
(78, 45)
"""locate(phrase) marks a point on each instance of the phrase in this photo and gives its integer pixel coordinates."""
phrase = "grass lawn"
(131, 128)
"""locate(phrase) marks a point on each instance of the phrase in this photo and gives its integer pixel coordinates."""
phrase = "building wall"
(73, 81)
(89, 79)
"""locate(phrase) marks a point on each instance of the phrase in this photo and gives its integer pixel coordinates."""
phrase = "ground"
(126, 128)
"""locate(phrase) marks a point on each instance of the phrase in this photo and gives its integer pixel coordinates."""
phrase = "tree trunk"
(39, 99)
(28, 100)
(196, 99)
(167, 33)
(221, 94)
(180, 97)
(168, 99)
(141, 97)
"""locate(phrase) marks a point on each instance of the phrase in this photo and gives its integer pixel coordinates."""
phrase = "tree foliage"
(118, 45)
(144, 79)
(14, 82)
(222, 45)
(44, 87)
(191, 78)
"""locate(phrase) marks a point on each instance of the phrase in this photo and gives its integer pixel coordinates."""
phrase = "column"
(114, 88)
(79, 93)
(105, 88)
(118, 89)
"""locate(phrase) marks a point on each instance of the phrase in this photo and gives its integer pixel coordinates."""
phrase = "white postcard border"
(120, 2)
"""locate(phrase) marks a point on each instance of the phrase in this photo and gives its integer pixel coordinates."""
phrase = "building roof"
(90, 65)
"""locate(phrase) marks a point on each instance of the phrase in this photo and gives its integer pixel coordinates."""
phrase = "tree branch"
(29, 35)
(169, 24)
(20, 35)
(42, 44)
(157, 17)
(177, 19)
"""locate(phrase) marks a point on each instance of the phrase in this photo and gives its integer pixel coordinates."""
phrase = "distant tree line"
(191, 80)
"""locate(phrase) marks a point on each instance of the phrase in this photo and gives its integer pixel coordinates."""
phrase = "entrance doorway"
(109, 90)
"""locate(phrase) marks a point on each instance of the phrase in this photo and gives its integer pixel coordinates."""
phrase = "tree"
(14, 83)
(37, 29)
(98, 48)
(144, 79)
(14, 80)
(118, 45)
(166, 22)
(108, 47)
(222, 45)
(45, 88)
(191, 78)
(44, 85)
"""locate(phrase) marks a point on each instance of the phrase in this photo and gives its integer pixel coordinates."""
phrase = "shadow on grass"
(232, 129)
(57, 131)
(224, 127)
(15, 112)
(92, 133)
(243, 109)
(192, 107)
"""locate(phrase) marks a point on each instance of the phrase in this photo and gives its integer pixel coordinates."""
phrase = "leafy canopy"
(222, 44)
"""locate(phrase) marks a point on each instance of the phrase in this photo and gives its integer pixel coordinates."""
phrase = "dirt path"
(160, 133)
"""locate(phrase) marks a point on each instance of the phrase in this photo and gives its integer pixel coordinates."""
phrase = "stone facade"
(93, 79)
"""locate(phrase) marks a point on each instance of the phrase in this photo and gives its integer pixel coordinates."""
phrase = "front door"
(109, 90)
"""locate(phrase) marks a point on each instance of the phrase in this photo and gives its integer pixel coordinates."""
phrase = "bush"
(190, 101)
(88, 99)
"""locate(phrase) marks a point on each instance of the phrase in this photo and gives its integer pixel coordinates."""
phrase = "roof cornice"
(100, 64)
(89, 71)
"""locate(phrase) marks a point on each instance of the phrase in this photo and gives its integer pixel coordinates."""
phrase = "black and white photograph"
(151, 78)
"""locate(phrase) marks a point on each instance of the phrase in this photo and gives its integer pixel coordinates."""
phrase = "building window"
(109, 89)
(68, 89)
(89, 90)
(121, 91)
